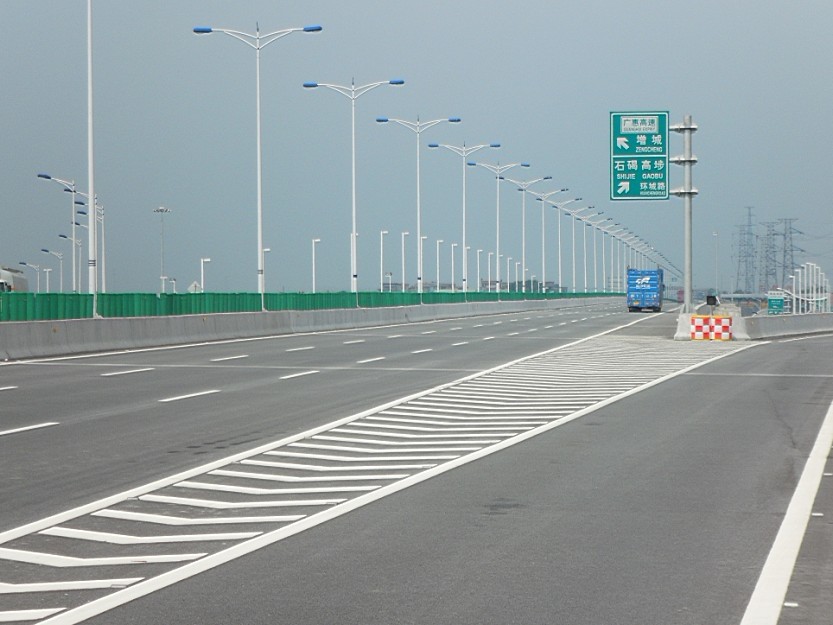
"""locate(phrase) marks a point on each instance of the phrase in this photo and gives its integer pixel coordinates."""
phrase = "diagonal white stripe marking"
(162, 519)
(297, 375)
(15, 616)
(51, 559)
(115, 373)
(29, 427)
(125, 539)
(89, 584)
(189, 396)
(226, 358)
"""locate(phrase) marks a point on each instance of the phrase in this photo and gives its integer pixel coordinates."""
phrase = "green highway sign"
(639, 155)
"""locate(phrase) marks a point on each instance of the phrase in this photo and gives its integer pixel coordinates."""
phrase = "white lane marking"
(164, 519)
(454, 329)
(513, 334)
(297, 375)
(89, 584)
(301, 349)
(28, 427)
(273, 491)
(563, 323)
(366, 360)
(225, 358)
(126, 539)
(354, 342)
(764, 606)
(395, 336)
(460, 343)
(14, 616)
(422, 351)
(51, 559)
(478, 325)
(326, 469)
(7, 388)
(298, 480)
(547, 327)
(234, 505)
(489, 338)
(189, 395)
(114, 373)
(429, 332)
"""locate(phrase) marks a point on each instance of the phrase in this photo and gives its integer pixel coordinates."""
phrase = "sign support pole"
(687, 192)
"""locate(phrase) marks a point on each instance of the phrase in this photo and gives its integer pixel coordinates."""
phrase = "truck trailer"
(12, 280)
(646, 290)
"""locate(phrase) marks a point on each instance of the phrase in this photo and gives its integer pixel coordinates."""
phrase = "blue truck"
(645, 290)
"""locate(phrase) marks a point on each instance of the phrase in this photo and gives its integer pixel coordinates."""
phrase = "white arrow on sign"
(624, 187)
(622, 143)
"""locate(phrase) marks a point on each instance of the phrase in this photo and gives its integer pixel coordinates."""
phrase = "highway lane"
(114, 432)
(658, 508)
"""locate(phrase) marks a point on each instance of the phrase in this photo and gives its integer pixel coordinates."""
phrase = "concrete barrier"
(20, 340)
(767, 326)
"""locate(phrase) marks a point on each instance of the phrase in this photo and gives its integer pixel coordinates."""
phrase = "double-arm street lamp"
(523, 185)
(162, 211)
(417, 127)
(69, 187)
(464, 151)
(257, 42)
(498, 170)
(36, 269)
(543, 197)
(60, 258)
(353, 93)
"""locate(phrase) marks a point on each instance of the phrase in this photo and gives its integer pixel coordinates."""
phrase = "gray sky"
(175, 127)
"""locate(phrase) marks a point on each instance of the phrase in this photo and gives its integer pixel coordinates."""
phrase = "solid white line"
(126, 539)
(301, 349)
(114, 373)
(7, 388)
(224, 359)
(89, 584)
(28, 427)
(366, 360)
(189, 396)
(297, 375)
(767, 599)
(15, 616)
(50, 559)
(163, 519)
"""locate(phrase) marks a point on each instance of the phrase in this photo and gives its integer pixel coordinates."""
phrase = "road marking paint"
(29, 427)
(513, 334)
(460, 343)
(297, 375)
(455, 329)
(367, 360)
(7, 388)
(326, 469)
(233, 505)
(395, 336)
(115, 373)
(163, 519)
(298, 480)
(790, 604)
(422, 351)
(14, 616)
(126, 539)
(247, 490)
(429, 332)
(817, 514)
(189, 396)
(548, 327)
(766, 601)
(51, 559)
(301, 349)
(89, 584)
(489, 338)
(225, 358)
(354, 342)
(478, 325)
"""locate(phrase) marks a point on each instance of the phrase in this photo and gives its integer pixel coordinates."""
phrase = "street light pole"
(464, 152)
(36, 268)
(60, 258)
(437, 287)
(162, 211)
(353, 93)
(417, 127)
(314, 241)
(479, 252)
(202, 273)
(69, 187)
(489, 271)
(543, 197)
(265, 251)
(404, 234)
(453, 286)
(257, 42)
(523, 185)
(382, 260)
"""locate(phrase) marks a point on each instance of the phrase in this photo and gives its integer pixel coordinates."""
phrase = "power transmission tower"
(746, 255)
(769, 266)
(788, 261)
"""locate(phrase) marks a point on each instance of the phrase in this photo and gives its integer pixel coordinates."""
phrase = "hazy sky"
(175, 127)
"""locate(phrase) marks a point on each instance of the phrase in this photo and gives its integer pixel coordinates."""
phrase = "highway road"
(573, 466)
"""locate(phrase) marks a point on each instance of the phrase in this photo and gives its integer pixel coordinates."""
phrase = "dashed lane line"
(189, 396)
(128, 372)
(29, 427)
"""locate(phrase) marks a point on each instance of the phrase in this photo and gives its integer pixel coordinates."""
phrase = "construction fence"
(51, 306)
